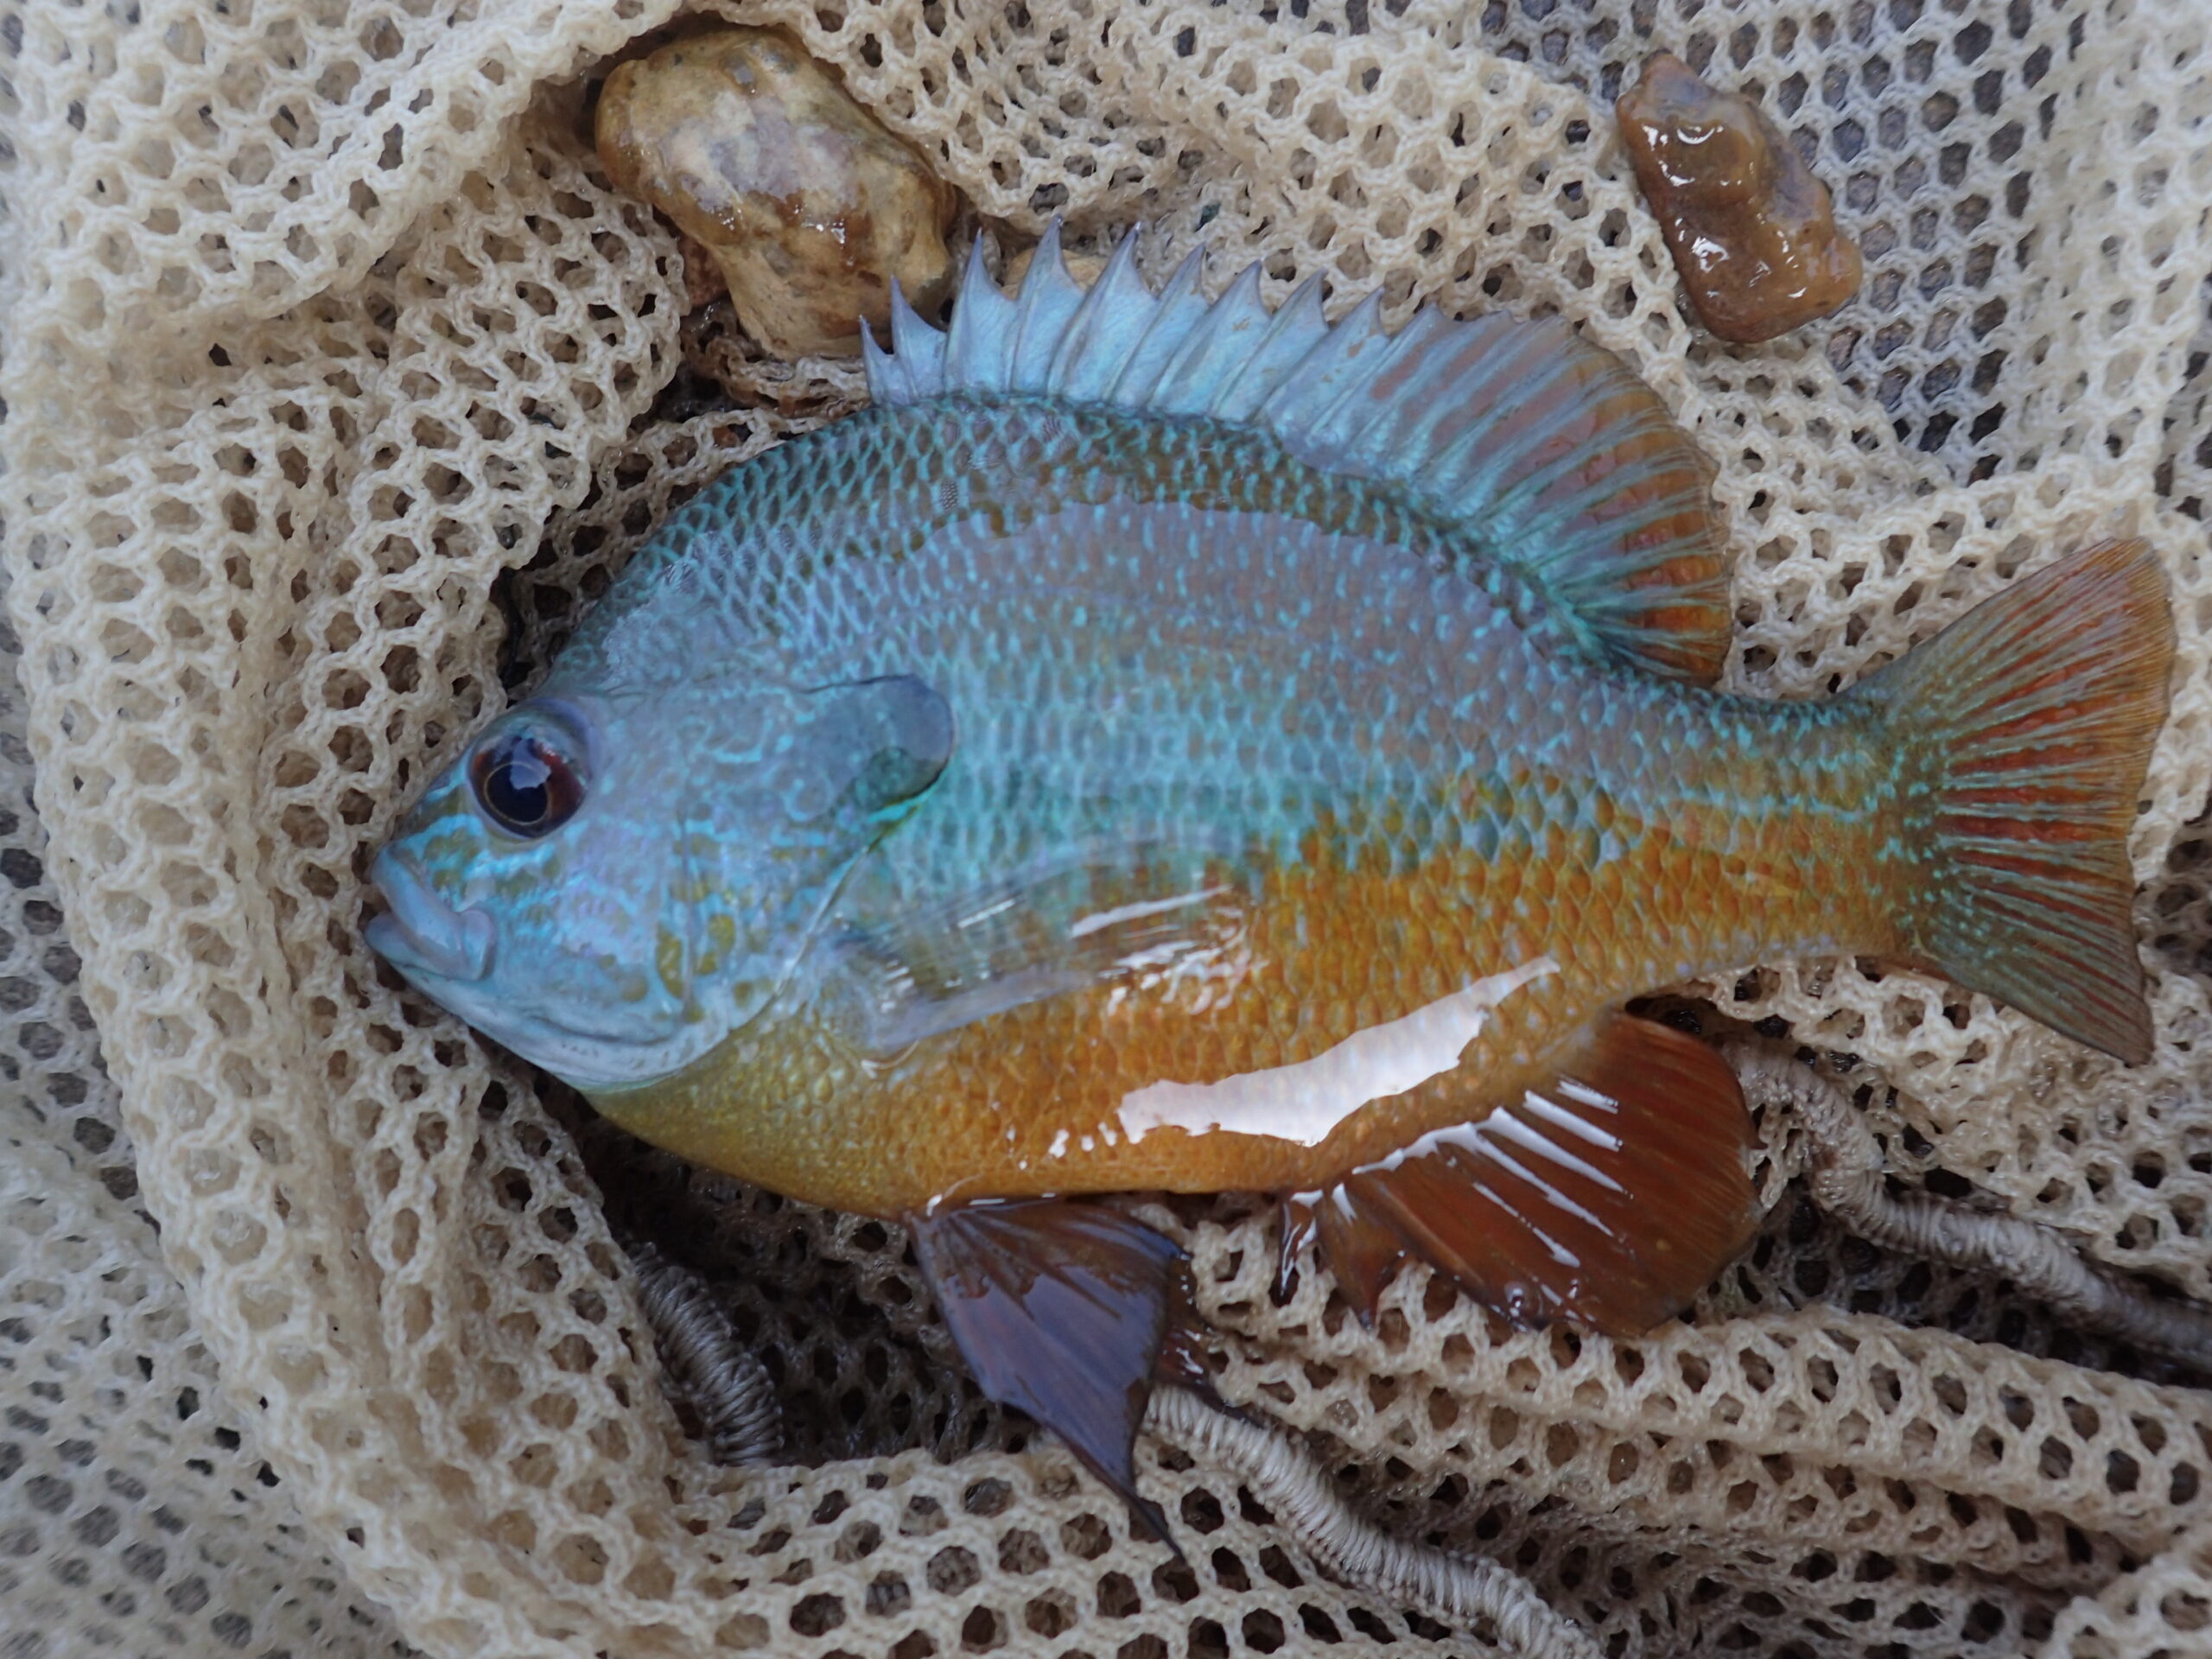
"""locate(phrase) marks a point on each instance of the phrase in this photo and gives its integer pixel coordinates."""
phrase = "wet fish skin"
(1173, 745)
(1309, 705)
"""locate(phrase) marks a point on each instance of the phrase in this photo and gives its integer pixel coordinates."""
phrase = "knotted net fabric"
(334, 377)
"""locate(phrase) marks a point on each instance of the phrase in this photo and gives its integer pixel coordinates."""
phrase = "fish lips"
(420, 934)
(448, 955)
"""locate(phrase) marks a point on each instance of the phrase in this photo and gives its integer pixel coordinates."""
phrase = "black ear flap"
(870, 748)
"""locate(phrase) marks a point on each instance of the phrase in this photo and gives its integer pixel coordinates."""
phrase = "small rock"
(809, 208)
(1752, 231)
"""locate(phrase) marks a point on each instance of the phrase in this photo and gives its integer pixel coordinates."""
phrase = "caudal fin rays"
(2029, 725)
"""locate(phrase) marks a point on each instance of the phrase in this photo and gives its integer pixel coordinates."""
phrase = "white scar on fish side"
(1306, 1102)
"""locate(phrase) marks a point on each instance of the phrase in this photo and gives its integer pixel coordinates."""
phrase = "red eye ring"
(524, 783)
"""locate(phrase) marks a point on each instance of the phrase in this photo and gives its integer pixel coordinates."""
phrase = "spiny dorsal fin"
(1545, 450)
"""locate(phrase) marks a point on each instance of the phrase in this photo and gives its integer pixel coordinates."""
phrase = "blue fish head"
(609, 885)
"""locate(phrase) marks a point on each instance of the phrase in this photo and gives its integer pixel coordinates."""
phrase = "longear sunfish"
(1165, 744)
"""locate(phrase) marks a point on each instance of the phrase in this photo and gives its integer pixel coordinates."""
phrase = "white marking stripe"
(1556, 1115)
(1582, 1095)
(1552, 1194)
(1306, 1100)
(1505, 1124)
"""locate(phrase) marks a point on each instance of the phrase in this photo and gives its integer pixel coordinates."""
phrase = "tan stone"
(809, 206)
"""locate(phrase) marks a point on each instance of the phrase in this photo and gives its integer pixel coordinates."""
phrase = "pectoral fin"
(1095, 915)
(1059, 1308)
(1608, 1196)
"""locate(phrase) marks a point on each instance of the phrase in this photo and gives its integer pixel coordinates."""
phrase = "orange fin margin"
(1608, 1196)
(1060, 1309)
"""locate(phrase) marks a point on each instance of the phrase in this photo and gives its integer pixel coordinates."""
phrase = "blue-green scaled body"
(1174, 746)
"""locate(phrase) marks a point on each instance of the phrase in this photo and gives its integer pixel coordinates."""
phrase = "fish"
(1165, 745)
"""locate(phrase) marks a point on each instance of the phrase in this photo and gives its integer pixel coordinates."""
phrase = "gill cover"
(773, 828)
(859, 756)
(619, 939)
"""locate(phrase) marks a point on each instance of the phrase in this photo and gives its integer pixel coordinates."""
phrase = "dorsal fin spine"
(1185, 385)
(1149, 359)
(916, 346)
(1083, 370)
(1333, 372)
(886, 381)
(1049, 300)
(975, 350)
(1293, 334)
(1351, 424)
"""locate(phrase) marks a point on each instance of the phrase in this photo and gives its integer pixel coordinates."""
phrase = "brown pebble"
(808, 206)
(1752, 231)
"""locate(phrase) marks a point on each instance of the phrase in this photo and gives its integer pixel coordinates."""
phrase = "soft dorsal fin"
(1544, 450)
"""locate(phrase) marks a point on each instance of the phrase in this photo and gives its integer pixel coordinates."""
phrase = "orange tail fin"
(2035, 714)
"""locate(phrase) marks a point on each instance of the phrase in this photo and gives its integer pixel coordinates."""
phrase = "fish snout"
(420, 931)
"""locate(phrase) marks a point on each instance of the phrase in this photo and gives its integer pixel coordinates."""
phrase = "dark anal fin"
(1060, 1309)
(1607, 1197)
(1300, 1229)
(1183, 1348)
(1364, 1258)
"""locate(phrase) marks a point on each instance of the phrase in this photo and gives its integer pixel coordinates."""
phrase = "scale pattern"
(1169, 635)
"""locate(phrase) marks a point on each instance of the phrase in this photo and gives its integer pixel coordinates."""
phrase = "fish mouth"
(420, 933)
(447, 954)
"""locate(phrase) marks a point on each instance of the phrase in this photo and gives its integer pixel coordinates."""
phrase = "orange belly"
(1354, 1012)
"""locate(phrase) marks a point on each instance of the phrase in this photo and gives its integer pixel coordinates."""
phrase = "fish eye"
(525, 784)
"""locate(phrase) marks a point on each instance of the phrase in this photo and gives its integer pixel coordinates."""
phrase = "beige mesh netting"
(322, 324)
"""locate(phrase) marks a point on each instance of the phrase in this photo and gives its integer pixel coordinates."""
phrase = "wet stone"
(809, 209)
(1752, 231)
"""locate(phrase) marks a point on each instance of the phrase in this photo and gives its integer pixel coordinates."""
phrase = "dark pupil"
(515, 787)
(525, 785)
